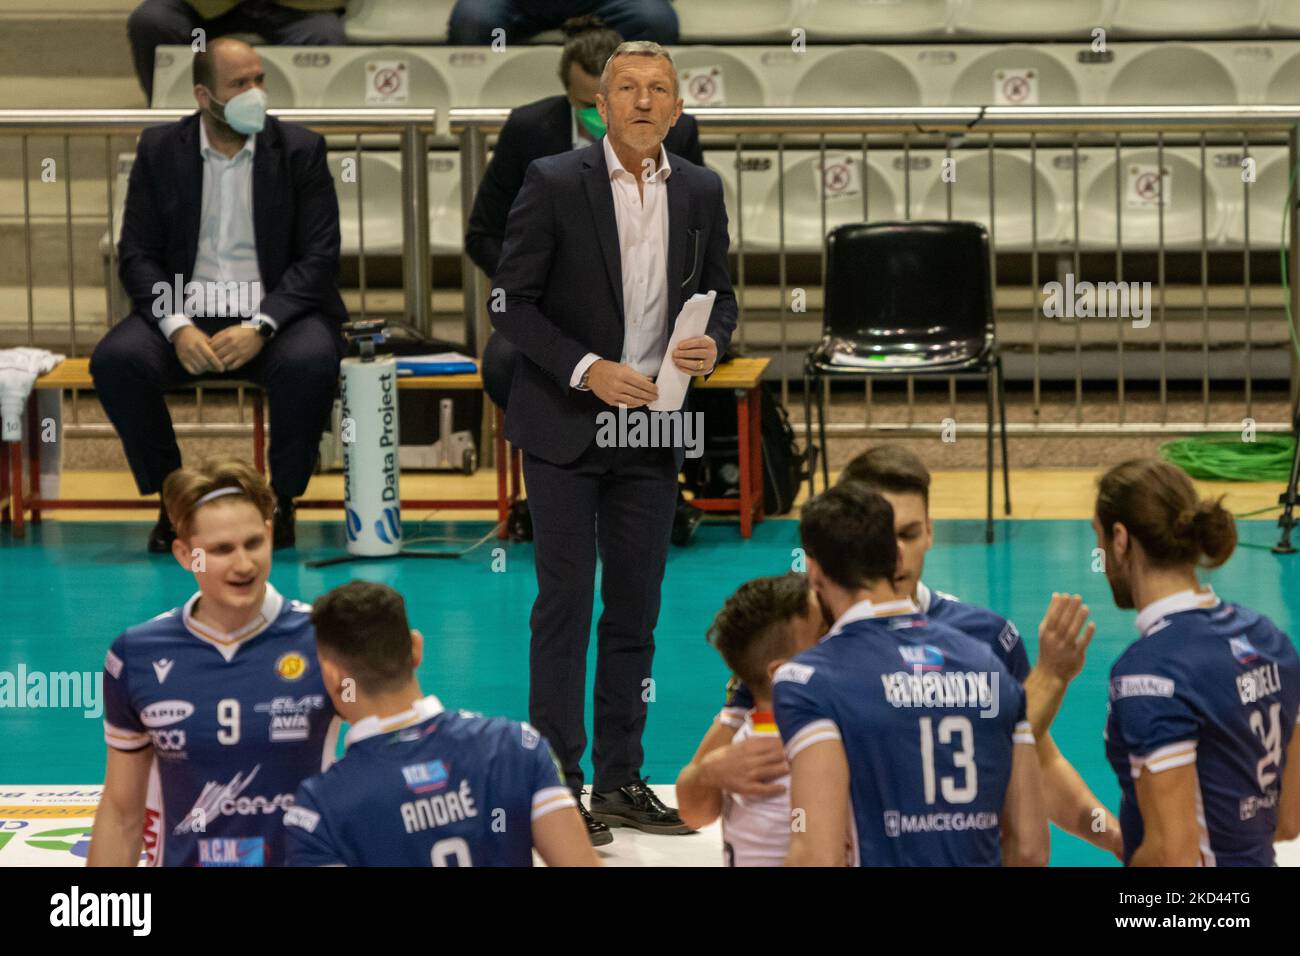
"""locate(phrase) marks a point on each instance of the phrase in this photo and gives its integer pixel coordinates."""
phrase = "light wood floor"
(1035, 493)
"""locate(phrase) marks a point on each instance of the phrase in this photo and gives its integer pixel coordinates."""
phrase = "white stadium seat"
(1140, 208)
(874, 19)
(858, 76)
(394, 77)
(174, 86)
(1284, 84)
(446, 232)
(528, 75)
(803, 223)
(1014, 227)
(744, 20)
(400, 21)
(1171, 74)
(1189, 17)
(1284, 16)
(1067, 19)
(714, 76)
(1267, 200)
(381, 197)
(1015, 75)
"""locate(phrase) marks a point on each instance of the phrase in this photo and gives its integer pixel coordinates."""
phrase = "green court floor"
(71, 587)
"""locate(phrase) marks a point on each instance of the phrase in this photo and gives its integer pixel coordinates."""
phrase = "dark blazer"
(539, 129)
(295, 219)
(563, 281)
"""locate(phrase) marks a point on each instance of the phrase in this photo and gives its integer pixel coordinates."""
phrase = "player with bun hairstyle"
(214, 712)
(1203, 706)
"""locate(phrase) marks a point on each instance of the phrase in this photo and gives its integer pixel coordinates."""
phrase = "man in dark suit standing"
(602, 247)
(555, 124)
(230, 255)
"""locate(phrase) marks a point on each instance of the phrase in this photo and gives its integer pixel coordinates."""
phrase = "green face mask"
(591, 121)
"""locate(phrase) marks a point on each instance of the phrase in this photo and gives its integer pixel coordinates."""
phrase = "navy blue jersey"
(428, 788)
(928, 718)
(1218, 685)
(977, 622)
(236, 722)
(971, 619)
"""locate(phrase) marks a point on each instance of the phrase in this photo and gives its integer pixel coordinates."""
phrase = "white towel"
(18, 371)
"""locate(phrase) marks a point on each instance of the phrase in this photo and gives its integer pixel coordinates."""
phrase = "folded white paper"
(672, 382)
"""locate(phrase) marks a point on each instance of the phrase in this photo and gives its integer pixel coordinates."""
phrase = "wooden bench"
(741, 375)
(75, 373)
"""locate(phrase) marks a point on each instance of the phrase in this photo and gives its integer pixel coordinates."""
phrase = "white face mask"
(244, 113)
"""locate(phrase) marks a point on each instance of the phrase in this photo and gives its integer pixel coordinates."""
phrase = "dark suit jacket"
(538, 129)
(295, 219)
(563, 281)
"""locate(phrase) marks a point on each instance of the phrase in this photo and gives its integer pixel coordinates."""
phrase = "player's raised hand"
(747, 768)
(1062, 640)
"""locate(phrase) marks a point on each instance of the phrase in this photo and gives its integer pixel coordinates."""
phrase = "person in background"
(230, 256)
(473, 22)
(157, 23)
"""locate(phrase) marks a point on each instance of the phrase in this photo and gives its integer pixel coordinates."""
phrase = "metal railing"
(414, 129)
(1074, 134)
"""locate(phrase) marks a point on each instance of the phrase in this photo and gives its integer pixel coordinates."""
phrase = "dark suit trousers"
(617, 502)
(133, 365)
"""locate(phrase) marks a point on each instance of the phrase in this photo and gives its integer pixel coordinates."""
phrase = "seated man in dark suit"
(553, 125)
(230, 255)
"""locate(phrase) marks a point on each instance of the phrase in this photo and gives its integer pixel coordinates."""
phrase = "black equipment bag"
(716, 474)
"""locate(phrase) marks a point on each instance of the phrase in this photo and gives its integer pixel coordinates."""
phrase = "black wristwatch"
(264, 328)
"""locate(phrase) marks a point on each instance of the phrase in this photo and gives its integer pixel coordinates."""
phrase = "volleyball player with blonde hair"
(1203, 705)
(215, 711)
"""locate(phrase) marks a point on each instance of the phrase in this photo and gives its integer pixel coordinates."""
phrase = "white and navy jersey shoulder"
(428, 787)
(928, 718)
(971, 619)
(236, 721)
(1216, 685)
(756, 830)
(977, 622)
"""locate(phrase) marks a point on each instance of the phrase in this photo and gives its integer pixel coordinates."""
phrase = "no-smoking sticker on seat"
(702, 86)
(841, 177)
(388, 83)
(1148, 186)
(1015, 87)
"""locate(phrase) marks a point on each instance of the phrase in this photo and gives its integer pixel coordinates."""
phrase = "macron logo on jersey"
(162, 668)
(1009, 637)
(1140, 685)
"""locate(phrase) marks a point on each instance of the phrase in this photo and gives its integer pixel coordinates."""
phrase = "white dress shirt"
(227, 249)
(643, 252)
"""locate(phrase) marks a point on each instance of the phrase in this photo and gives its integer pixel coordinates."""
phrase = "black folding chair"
(907, 298)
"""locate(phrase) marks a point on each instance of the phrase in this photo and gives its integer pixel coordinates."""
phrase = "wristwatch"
(582, 382)
(264, 328)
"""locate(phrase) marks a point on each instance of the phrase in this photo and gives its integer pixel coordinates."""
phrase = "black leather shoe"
(162, 535)
(636, 806)
(597, 831)
(282, 525)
